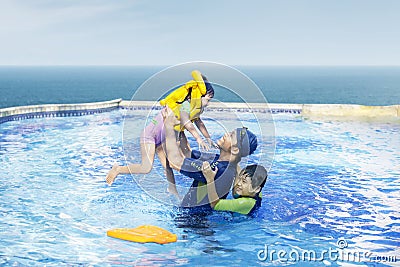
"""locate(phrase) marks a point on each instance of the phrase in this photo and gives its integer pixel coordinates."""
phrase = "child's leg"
(147, 150)
(168, 171)
(184, 145)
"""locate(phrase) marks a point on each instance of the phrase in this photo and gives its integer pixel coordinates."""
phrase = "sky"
(122, 32)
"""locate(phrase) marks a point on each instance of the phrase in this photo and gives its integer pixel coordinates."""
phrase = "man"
(233, 146)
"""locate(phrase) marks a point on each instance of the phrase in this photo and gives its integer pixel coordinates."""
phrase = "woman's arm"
(186, 166)
(209, 174)
(174, 154)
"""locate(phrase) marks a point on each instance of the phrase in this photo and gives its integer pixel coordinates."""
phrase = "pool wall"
(311, 111)
(56, 110)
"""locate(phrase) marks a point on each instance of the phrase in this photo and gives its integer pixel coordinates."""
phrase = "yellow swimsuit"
(175, 99)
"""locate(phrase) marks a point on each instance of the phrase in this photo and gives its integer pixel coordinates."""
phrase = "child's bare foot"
(112, 174)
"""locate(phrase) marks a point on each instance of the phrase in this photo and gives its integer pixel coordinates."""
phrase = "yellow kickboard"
(143, 234)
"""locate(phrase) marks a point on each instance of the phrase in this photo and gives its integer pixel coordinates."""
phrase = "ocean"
(31, 85)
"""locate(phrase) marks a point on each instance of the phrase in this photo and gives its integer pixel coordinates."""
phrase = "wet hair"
(246, 141)
(257, 173)
(186, 97)
(209, 88)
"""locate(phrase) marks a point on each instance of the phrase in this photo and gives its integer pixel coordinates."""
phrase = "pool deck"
(310, 111)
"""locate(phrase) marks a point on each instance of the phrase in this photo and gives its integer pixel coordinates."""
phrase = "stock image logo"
(341, 252)
(342, 243)
(197, 94)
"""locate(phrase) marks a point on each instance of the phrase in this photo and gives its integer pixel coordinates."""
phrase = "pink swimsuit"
(154, 131)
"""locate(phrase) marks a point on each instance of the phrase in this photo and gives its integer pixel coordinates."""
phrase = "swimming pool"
(329, 181)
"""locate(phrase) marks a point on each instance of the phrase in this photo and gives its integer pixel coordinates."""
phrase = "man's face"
(227, 141)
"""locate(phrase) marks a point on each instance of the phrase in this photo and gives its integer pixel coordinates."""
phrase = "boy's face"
(242, 186)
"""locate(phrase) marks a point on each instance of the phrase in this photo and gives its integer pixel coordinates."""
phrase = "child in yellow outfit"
(188, 103)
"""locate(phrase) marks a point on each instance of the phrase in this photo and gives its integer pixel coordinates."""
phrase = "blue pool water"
(329, 181)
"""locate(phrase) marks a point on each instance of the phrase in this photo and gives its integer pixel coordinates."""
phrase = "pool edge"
(57, 110)
(309, 111)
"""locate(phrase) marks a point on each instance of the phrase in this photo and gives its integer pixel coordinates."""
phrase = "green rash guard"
(242, 205)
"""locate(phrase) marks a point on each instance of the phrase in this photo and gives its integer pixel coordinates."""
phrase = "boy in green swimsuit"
(246, 189)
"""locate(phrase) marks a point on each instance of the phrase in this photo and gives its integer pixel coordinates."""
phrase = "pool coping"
(56, 110)
(311, 111)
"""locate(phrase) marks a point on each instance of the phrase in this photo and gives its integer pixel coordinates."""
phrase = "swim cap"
(246, 141)
(209, 88)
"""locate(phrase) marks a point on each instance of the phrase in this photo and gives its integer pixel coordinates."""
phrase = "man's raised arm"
(174, 154)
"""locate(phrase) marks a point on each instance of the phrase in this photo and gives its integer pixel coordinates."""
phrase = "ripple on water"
(329, 180)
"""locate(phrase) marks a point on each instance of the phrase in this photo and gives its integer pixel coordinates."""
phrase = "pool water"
(329, 180)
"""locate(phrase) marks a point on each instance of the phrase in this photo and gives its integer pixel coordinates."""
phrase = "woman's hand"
(203, 145)
(211, 143)
(208, 173)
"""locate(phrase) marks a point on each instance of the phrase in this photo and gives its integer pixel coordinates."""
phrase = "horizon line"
(167, 65)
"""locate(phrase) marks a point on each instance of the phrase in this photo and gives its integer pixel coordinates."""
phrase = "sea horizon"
(371, 85)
